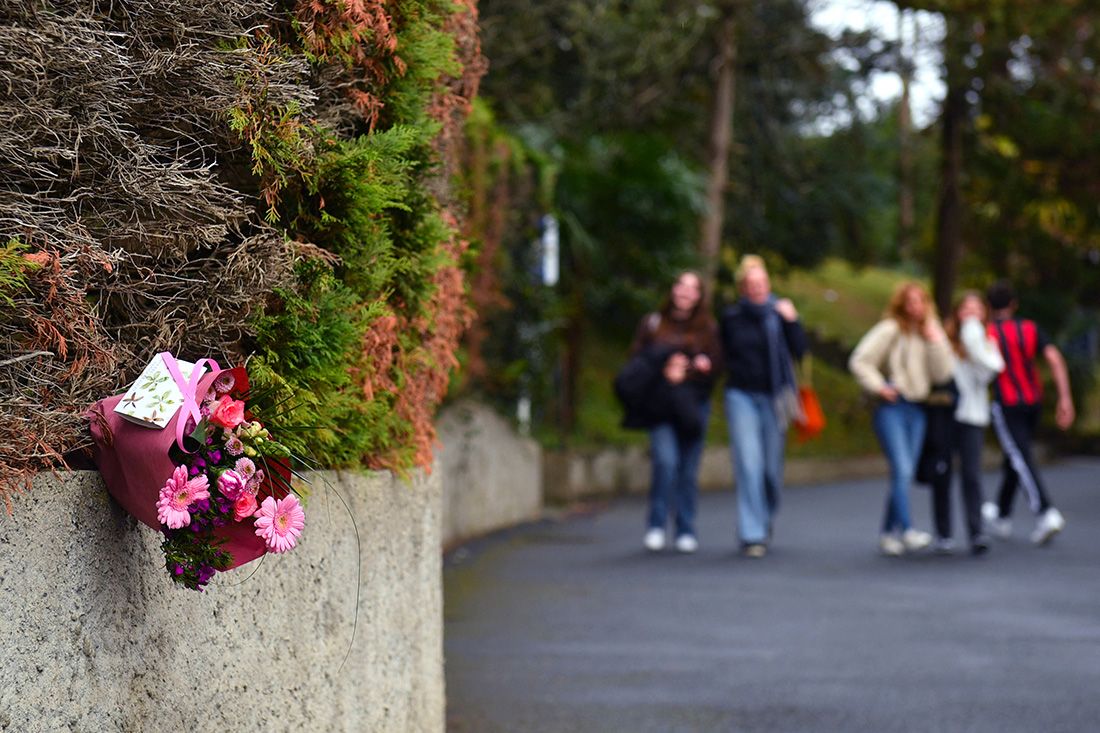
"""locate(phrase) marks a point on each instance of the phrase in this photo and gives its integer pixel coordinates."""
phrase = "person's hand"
(888, 393)
(932, 331)
(1064, 413)
(676, 368)
(785, 308)
(701, 363)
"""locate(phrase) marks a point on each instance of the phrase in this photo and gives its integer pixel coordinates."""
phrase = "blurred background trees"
(616, 107)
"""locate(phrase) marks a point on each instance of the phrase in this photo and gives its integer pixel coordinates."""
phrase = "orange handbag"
(812, 422)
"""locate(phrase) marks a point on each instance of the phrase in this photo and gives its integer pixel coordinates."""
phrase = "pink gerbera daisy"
(280, 522)
(177, 496)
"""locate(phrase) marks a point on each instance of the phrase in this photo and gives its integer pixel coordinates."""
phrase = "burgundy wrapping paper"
(133, 460)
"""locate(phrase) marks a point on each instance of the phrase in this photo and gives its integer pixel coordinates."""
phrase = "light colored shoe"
(1050, 523)
(755, 550)
(943, 546)
(994, 524)
(687, 543)
(890, 545)
(655, 539)
(915, 539)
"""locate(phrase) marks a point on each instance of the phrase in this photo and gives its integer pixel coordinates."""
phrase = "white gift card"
(155, 397)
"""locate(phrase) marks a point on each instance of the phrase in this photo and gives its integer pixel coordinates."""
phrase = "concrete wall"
(96, 638)
(581, 474)
(492, 477)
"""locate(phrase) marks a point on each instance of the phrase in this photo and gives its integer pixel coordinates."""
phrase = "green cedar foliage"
(13, 268)
(336, 350)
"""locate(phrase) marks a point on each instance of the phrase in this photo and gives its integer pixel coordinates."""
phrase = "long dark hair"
(701, 321)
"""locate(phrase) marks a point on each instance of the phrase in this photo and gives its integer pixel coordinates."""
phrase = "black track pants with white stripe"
(1014, 425)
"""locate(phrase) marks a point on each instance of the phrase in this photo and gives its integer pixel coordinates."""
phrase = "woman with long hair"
(979, 362)
(681, 338)
(761, 337)
(896, 363)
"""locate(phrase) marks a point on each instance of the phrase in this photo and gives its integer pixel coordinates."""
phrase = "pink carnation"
(245, 506)
(231, 484)
(227, 412)
(177, 496)
(280, 522)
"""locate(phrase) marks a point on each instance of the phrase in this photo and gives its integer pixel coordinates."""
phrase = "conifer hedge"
(261, 181)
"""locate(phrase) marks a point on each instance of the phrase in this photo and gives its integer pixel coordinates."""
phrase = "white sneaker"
(994, 523)
(1050, 523)
(686, 543)
(890, 545)
(655, 539)
(915, 539)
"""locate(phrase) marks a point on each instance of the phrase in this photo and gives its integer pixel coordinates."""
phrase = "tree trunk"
(905, 151)
(720, 140)
(949, 224)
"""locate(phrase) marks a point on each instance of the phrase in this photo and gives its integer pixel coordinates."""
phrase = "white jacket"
(981, 363)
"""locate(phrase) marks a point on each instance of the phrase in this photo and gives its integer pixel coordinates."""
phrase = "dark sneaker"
(754, 550)
(979, 545)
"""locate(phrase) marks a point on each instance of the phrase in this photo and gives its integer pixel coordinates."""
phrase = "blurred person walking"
(978, 363)
(896, 363)
(761, 335)
(677, 348)
(1017, 401)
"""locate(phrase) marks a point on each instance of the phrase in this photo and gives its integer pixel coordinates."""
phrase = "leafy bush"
(277, 198)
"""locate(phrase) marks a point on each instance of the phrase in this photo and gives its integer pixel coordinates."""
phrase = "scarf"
(786, 399)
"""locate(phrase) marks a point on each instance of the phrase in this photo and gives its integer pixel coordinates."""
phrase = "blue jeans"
(899, 427)
(757, 444)
(674, 483)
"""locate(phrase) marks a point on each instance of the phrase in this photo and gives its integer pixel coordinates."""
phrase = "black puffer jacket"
(649, 399)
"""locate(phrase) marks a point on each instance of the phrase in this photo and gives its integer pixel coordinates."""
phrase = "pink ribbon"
(190, 405)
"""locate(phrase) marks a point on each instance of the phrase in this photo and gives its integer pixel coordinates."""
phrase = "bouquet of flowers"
(220, 491)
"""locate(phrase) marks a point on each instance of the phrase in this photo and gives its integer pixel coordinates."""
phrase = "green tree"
(1019, 126)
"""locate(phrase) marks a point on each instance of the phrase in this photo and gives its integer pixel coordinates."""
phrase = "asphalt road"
(568, 625)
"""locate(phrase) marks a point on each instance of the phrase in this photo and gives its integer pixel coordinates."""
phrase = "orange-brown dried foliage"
(359, 36)
(60, 362)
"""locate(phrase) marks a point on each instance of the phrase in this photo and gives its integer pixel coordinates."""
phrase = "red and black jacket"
(1021, 341)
